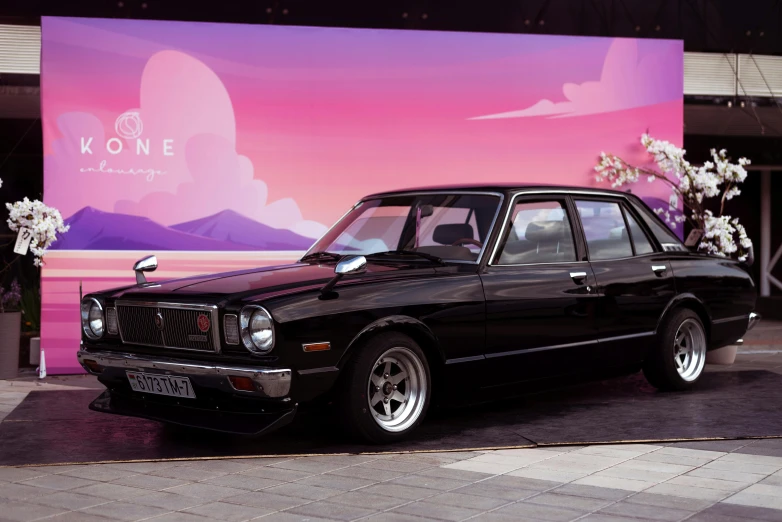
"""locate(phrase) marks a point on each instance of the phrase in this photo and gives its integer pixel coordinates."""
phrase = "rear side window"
(604, 229)
(668, 240)
(641, 242)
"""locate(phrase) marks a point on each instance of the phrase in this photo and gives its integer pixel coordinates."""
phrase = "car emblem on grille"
(203, 323)
(159, 320)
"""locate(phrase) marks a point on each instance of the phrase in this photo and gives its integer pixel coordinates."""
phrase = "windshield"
(449, 226)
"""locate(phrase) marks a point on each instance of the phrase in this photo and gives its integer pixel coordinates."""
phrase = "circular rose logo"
(128, 125)
(203, 323)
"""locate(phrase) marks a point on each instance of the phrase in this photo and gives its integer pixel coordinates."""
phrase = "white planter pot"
(726, 355)
(10, 330)
(35, 351)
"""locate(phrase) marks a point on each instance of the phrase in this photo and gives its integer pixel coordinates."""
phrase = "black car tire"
(371, 358)
(661, 368)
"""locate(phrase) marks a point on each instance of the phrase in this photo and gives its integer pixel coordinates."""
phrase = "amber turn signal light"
(93, 366)
(242, 383)
(316, 347)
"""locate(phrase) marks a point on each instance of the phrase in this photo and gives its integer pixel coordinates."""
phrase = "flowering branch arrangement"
(42, 221)
(721, 235)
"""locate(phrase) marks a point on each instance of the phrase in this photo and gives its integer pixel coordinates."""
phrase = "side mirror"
(346, 266)
(147, 264)
(351, 265)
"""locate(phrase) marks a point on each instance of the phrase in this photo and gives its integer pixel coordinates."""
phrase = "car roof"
(500, 187)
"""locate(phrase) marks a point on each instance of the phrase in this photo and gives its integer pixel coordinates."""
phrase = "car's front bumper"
(269, 382)
(217, 405)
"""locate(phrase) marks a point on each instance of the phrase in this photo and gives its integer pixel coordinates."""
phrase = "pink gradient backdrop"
(288, 126)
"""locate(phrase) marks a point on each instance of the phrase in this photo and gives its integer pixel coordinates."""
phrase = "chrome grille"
(180, 325)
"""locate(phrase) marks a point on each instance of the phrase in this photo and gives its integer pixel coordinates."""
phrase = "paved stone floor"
(715, 481)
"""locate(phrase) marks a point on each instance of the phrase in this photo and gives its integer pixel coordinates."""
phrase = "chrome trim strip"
(325, 369)
(731, 319)
(465, 359)
(178, 306)
(274, 382)
(569, 345)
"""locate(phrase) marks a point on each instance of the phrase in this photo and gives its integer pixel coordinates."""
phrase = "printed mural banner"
(220, 147)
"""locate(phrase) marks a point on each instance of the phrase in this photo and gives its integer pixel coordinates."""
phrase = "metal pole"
(765, 230)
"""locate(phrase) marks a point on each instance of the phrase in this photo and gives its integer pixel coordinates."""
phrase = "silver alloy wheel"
(689, 350)
(397, 389)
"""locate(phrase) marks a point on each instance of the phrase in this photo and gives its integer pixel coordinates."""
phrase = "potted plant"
(703, 190)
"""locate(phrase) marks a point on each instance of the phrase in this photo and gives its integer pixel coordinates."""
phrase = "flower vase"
(10, 331)
(725, 355)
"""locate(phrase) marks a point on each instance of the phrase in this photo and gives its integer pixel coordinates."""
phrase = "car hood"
(274, 280)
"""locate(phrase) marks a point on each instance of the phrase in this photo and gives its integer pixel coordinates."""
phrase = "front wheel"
(387, 388)
(678, 360)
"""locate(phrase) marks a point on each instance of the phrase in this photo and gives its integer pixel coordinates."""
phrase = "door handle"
(659, 269)
(578, 277)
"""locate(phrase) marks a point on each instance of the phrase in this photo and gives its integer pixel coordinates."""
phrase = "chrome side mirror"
(351, 265)
(147, 264)
(346, 266)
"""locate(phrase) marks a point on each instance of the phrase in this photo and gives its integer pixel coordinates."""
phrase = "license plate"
(161, 384)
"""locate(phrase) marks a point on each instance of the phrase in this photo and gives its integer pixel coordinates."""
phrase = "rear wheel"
(678, 360)
(387, 389)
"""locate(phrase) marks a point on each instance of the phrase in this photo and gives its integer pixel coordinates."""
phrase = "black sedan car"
(416, 295)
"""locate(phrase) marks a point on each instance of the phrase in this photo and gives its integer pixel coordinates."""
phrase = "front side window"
(604, 229)
(449, 226)
(539, 232)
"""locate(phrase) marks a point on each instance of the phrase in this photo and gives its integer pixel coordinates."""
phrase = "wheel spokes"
(399, 377)
(387, 408)
(398, 397)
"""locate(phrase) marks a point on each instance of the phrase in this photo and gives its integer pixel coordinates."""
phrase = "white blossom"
(43, 221)
(723, 235)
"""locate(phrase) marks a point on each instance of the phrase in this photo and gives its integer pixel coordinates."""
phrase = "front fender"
(421, 333)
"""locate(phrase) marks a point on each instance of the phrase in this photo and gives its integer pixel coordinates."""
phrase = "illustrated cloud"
(625, 83)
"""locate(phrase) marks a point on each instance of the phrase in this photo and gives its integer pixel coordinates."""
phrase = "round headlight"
(257, 329)
(92, 321)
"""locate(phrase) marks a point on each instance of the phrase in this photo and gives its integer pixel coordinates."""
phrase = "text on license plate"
(161, 384)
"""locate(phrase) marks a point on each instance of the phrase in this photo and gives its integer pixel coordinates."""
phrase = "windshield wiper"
(423, 255)
(331, 256)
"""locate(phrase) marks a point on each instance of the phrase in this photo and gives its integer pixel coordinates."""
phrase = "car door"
(540, 298)
(634, 278)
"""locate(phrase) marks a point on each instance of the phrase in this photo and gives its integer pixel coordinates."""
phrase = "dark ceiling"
(704, 25)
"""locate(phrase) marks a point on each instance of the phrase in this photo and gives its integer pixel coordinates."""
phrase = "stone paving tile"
(673, 459)
(508, 481)
(636, 474)
(58, 482)
(489, 468)
(112, 491)
(392, 517)
(735, 476)
(293, 517)
(246, 482)
(227, 466)
(614, 483)
(79, 516)
(337, 482)
(618, 450)
(298, 490)
(667, 501)
(182, 517)
(23, 511)
(760, 495)
(166, 500)
(551, 475)
(527, 511)
(603, 517)
(582, 490)
(482, 489)
(19, 474)
(753, 459)
(13, 491)
(395, 465)
(493, 516)
(710, 483)
(187, 474)
(422, 481)
(205, 492)
(724, 446)
(646, 512)
(143, 467)
(648, 465)
(67, 500)
(359, 499)
(430, 510)
(690, 453)
(375, 475)
(333, 511)
(773, 480)
(149, 481)
(99, 473)
(228, 512)
(279, 474)
(124, 511)
(450, 473)
(573, 502)
(264, 499)
(766, 452)
(740, 512)
(688, 492)
(307, 466)
(468, 501)
(399, 491)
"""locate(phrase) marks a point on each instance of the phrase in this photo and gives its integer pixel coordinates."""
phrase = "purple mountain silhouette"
(235, 228)
(93, 229)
